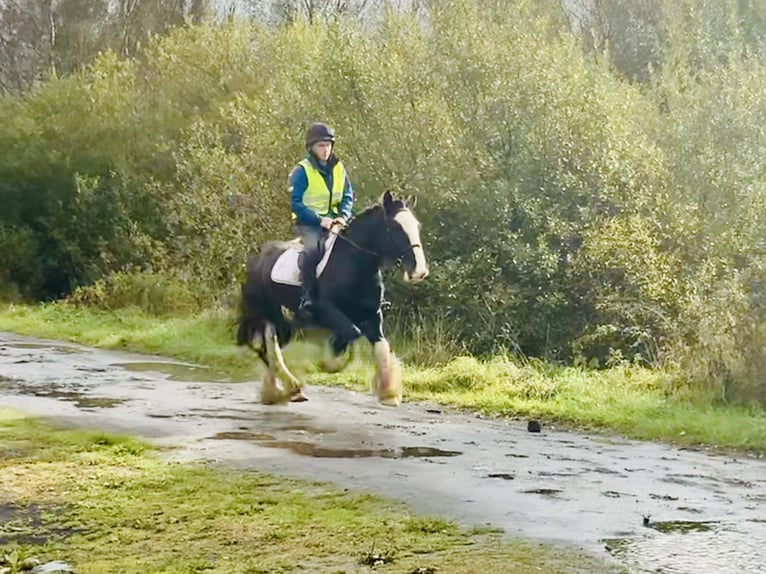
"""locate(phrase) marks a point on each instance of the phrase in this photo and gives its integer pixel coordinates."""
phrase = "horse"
(350, 295)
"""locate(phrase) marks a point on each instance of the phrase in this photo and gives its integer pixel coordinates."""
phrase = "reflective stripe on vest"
(317, 197)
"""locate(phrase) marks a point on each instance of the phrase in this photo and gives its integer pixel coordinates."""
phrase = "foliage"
(589, 181)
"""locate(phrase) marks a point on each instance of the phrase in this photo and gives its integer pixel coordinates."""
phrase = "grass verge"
(634, 401)
(104, 503)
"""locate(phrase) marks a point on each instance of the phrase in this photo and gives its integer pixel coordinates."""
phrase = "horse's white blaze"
(411, 227)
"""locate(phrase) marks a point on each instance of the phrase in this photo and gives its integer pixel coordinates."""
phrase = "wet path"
(653, 507)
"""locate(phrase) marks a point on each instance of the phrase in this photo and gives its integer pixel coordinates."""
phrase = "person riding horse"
(321, 199)
(346, 301)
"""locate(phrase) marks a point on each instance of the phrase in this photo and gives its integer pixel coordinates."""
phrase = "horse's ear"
(412, 201)
(388, 201)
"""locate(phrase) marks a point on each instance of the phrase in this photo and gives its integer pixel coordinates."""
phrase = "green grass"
(106, 504)
(635, 401)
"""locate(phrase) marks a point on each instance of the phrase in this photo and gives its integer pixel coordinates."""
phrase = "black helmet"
(319, 133)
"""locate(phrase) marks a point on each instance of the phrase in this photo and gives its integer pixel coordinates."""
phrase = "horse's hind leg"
(274, 352)
(272, 391)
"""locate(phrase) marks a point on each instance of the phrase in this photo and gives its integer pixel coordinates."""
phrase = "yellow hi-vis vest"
(322, 201)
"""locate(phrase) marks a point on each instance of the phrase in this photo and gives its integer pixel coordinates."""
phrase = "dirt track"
(706, 514)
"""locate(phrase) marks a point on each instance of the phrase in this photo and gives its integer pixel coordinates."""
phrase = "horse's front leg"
(277, 360)
(387, 383)
(344, 334)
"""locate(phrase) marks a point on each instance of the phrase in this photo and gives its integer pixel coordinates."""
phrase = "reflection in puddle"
(319, 451)
(683, 546)
(181, 372)
(272, 421)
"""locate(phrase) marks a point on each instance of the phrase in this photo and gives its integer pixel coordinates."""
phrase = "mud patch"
(663, 497)
(42, 346)
(546, 492)
(616, 494)
(503, 475)
(30, 524)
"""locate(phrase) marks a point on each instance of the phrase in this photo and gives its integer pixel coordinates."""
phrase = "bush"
(152, 293)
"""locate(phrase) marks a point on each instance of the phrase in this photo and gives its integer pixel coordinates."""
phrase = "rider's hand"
(326, 223)
(339, 221)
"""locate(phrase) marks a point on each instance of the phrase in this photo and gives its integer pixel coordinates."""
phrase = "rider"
(321, 197)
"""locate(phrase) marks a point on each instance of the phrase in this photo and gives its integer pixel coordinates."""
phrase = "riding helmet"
(319, 133)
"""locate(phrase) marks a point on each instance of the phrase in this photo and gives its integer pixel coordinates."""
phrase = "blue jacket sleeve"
(298, 184)
(347, 202)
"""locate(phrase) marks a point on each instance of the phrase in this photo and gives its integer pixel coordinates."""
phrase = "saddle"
(286, 270)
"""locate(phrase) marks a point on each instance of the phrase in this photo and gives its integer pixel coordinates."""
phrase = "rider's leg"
(308, 261)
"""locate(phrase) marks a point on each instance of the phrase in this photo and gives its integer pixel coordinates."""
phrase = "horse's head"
(403, 238)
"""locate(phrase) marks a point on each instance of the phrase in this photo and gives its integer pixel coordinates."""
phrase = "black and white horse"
(349, 297)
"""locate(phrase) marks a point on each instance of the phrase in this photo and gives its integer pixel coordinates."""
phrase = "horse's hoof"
(273, 398)
(394, 401)
(297, 396)
(272, 390)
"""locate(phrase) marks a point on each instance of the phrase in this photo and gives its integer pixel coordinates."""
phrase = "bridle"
(377, 255)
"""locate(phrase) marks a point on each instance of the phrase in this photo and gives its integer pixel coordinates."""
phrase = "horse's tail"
(256, 307)
(251, 321)
(248, 326)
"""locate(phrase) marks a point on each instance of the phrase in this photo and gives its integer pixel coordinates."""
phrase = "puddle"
(242, 435)
(682, 526)
(687, 547)
(271, 421)
(55, 348)
(319, 451)
(81, 401)
(180, 372)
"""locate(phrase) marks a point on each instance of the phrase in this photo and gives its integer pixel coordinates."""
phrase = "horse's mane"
(370, 210)
(373, 209)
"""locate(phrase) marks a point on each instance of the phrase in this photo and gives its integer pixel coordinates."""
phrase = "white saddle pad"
(286, 271)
